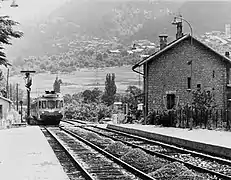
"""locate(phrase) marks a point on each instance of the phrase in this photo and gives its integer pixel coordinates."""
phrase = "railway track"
(94, 163)
(71, 166)
(217, 167)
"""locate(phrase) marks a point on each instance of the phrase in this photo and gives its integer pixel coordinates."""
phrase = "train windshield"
(51, 104)
(44, 104)
(59, 104)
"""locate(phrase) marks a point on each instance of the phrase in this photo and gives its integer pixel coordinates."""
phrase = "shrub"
(142, 161)
(118, 149)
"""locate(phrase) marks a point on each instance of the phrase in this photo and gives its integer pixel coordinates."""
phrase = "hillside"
(75, 34)
(86, 19)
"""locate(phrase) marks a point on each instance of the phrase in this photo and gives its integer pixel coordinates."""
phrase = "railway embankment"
(207, 141)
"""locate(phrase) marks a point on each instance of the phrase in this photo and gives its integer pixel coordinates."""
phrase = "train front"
(51, 109)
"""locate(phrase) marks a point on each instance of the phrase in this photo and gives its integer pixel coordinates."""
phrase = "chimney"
(179, 27)
(179, 31)
(163, 40)
(227, 54)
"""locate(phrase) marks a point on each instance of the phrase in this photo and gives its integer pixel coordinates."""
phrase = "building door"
(171, 101)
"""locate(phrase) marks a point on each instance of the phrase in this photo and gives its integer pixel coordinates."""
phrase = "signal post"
(28, 83)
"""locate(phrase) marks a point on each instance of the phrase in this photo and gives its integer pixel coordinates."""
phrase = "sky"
(29, 9)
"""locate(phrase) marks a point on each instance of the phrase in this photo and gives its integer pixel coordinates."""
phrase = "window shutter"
(176, 101)
(165, 101)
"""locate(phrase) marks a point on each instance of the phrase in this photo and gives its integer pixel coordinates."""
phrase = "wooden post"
(17, 96)
(7, 83)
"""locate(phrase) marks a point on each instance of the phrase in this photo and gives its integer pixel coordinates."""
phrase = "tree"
(91, 96)
(87, 95)
(203, 99)
(130, 98)
(110, 90)
(56, 85)
(6, 33)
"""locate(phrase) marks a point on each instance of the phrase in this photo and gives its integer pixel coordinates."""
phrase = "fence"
(206, 118)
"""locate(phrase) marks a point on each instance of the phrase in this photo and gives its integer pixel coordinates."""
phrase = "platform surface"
(219, 138)
(25, 154)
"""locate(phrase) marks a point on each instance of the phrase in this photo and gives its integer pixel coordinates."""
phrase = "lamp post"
(28, 80)
(13, 4)
(178, 22)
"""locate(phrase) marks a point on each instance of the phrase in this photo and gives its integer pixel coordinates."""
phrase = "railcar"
(48, 108)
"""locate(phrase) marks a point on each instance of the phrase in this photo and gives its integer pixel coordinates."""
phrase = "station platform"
(25, 154)
(208, 141)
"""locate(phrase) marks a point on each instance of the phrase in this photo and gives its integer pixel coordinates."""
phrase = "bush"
(142, 161)
(169, 171)
(118, 149)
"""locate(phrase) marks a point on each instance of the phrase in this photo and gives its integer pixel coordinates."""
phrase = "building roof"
(6, 99)
(175, 42)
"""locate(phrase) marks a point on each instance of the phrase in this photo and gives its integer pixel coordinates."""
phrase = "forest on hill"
(82, 33)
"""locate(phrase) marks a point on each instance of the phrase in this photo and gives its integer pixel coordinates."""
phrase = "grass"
(81, 80)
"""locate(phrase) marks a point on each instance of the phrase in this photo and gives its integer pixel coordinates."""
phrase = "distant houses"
(138, 47)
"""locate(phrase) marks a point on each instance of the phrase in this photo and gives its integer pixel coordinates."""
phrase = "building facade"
(181, 66)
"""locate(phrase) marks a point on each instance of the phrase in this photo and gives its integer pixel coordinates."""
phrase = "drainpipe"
(146, 93)
(145, 88)
(133, 68)
(136, 66)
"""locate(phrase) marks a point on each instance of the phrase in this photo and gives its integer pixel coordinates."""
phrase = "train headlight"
(60, 111)
(42, 112)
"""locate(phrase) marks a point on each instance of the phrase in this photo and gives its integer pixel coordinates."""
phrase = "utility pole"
(17, 96)
(21, 109)
(7, 83)
(28, 87)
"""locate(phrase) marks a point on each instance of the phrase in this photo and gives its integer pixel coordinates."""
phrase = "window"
(198, 86)
(170, 101)
(44, 104)
(59, 104)
(213, 74)
(51, 104)
(39, 104)
(189, 82)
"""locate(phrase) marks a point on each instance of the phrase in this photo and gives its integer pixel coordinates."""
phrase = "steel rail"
(228, 162)
(73, 159)
(221, 160)
(200, 169)
(130, 168)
